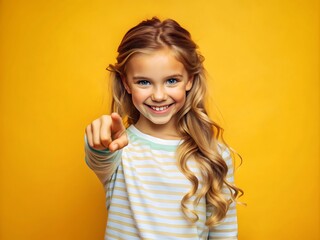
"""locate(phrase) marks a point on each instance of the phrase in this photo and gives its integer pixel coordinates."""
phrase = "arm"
(105, 136)
(102, 162)
(228, 228)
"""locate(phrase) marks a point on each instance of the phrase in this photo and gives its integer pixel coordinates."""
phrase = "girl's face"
(158, 83)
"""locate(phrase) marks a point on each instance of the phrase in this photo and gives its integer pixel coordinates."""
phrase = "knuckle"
(96, 146)
(105, 140)
(96, 142)
(95, 123)
(105, 118)
(90, 142)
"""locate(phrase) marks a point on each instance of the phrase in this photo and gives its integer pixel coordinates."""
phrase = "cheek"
(137, 98)
(179, 94)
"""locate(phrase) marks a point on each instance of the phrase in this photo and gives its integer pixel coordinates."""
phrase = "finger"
(95, 126)
(119, 143)
(117, 126)
(89, 135)
(105, 131)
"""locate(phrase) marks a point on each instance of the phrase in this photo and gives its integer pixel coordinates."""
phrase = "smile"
(160, 108)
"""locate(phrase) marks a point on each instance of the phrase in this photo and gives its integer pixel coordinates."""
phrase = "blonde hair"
(199, 133)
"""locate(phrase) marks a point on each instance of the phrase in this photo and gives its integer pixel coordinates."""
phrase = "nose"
(159, 94)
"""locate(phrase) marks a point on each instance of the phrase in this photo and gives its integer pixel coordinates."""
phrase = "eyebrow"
(170, 76)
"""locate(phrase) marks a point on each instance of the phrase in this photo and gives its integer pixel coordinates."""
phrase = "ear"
(189, 83)
(125, 84)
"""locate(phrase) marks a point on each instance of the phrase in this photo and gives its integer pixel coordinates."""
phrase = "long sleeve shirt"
(144, 188)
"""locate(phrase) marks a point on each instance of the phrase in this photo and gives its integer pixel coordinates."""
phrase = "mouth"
(159, 108)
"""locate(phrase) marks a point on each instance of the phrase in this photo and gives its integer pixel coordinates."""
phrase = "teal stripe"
(153, 145)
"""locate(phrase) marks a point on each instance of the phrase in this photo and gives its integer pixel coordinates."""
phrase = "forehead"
(155, 63)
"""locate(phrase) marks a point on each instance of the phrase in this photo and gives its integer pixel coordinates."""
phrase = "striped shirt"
(144, 188)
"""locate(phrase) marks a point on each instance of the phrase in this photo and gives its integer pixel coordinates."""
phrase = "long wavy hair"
(200, 134)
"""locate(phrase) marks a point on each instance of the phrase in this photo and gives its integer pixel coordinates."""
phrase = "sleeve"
(102, 162)
(228, 228)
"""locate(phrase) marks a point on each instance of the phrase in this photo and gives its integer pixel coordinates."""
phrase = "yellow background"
(263, 61)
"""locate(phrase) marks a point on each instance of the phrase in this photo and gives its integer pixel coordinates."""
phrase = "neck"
(165, 131)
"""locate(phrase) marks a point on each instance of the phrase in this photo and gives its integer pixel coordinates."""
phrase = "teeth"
(159, 108)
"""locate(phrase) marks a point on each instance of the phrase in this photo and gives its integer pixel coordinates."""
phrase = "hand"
(108, 132)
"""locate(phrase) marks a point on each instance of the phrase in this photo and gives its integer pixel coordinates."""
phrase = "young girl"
(165, 172)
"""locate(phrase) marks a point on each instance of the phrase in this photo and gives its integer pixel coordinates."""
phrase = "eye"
(172, 81)
(143, 82)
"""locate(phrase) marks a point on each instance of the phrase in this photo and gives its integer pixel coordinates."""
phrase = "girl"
(165, 174)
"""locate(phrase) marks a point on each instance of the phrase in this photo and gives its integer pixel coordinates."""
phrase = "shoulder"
(224, 151)
(227, 155)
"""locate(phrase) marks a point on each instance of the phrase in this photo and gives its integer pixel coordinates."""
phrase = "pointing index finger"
(117, 126)
(119, 137)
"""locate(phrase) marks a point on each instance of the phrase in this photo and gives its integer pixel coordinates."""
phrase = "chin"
(160, 122)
